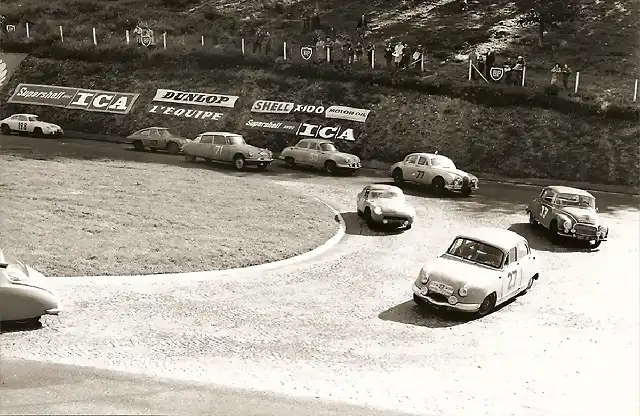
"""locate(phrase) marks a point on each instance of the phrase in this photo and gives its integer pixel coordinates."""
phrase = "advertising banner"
(74, 98)
(325, 132)
(336, 112)
(273, 126)
(347, 113)
(195, 98)
(184, 112)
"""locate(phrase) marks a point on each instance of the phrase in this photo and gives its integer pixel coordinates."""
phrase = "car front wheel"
(488, 305)
(368, 218)
(239, 162)
(397, 175)
(553, 231)
(138, 145)
(330, 167)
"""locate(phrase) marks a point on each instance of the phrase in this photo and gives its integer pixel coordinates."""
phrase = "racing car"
(30, 124)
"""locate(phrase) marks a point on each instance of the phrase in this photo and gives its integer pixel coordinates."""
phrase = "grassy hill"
(590, 137)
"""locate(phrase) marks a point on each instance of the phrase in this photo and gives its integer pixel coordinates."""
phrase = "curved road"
(343, 328)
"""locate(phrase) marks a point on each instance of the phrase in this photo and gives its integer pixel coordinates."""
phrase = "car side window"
(547, 195)
(302, 145)
(218, 139)
(422, 160)
(21, 118)
(144, 133)
(153, 132)
(511, 257)
(206, 139)
(412, 159)
(523, 250)
(313, 146)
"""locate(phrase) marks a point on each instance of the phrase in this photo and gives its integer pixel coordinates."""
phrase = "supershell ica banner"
(74, 98)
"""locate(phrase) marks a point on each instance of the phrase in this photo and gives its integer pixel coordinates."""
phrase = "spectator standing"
(417, 57)
(358, 51)
(481, 63)
(491, 59)
(388, 55)
(363, 23)
(321, 49)
(315, 20)
(566, 72)
(508, 69)
(556, 71)
(519, 70)
(370, 56)
(257, 43)
(348, 49)
(306, 23)
(397, 54)
(268, 43)
(329, 46)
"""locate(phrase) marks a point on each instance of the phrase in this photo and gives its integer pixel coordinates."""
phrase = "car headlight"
(457, 180)
(347, 160)
(250, 154)
(423, 277)
(377, 210)
(463, 291)
(567, 225)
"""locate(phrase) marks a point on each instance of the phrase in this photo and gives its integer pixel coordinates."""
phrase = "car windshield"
(12, 260)
(328, 147)
(442, 162)
(236, 139)
(573, 200)
(476, 252)
(385, 195)
(32, 118)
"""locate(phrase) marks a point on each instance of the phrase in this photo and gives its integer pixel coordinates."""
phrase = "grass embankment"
(139, 218)
(511, 141)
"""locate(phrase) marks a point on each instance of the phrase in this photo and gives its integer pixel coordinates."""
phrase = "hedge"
(483, 94)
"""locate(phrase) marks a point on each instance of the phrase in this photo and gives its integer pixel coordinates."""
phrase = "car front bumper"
(396, 220)
(349, 165)
(258, 161)
(458, 306)
(54, 132)
(459, 187)
(582, 237)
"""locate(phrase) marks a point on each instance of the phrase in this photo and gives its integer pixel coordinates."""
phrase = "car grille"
(465, 182)
(394, 218)
(587, 220)
(437, 297)
(586, 229)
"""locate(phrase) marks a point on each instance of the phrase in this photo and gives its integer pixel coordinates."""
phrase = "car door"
(545, 213)
(513, 274)
(313, 155)
(409, 168)
(144, 136)
(205, 146)
(220, 148)
(526, 263)
(153, 139)
(422, 170)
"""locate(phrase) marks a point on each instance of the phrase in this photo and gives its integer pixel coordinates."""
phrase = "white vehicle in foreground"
(29, 123)
(482, 268)
(25, 294)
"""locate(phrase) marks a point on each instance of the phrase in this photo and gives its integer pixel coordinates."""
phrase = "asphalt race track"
(342, 327)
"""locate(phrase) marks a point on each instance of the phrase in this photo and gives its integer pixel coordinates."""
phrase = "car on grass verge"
(385, 205)
(25, 294)
(434, 170)
(157, 138)
(483, 268)
(320, 154)
(228, 148)
(568, 213)
(29, 123)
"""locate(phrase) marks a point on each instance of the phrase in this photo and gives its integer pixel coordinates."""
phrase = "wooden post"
(422, 60)
(126, 33)
(328, 54)
(285, 50)
(243, 46)
(470, 69)
(164, 40)
(575, 90)
(635, 91)
(373, 58)
(95, 39)
(61, 35)
(524, 74)
(26, 25)
(202, 40)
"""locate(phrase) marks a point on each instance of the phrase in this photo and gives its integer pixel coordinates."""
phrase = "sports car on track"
(320, 154)
(29, 123)
(157, 138)
(385, 205)
(25, 294)
(434, 170)
(482, 268)
(228, 148)
(568, 213)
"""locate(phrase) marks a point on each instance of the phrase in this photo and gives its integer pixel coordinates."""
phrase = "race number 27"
(512, 279)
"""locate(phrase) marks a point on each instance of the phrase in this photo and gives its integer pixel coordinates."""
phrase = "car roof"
(497, 237)
(157, 128)
(383, 187)
(568, 190)
(426, 154)
(222, 133)
(25, 114)
(319, 141)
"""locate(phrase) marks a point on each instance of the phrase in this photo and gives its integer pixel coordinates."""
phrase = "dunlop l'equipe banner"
(195, 98)
(9, 62)
(74, 98)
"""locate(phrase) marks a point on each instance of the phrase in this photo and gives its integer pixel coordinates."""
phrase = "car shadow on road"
(423, 191)
(13, 326)
(538, 238)
(410, 313)
(355, 225)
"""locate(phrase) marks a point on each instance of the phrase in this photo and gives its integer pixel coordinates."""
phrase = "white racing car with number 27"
(483, 268)
(29, 123)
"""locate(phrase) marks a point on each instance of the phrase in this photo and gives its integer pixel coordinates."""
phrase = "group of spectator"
(263, 38)
(402, 56)
(557, 72)
(513, 71)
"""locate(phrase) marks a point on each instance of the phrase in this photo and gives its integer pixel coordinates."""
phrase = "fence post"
(284, 47)
(470, 69)
(26, 25)
(422, 60)
(243, 46)
(95, 39)
(373, 58)
(575, 90)
(61, 35)
(328, 54)
(164, 40)
(126, 33)
(202, 40)
(635, 91)
(524, 74)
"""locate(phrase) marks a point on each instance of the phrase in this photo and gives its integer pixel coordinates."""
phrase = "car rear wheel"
(6, 130)
(488, 305)
(290, 162)
(239, 162)
(330, 167)
(37, 132)
(437, 185)
(397, 175)
(138, 145)
(173, 148)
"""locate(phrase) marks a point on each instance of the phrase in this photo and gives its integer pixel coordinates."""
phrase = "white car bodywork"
(434, 170)
(25, 294)
(385, 205)
(29, 123)
(483, 268)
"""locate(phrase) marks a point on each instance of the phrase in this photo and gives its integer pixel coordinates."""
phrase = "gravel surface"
(342, 327)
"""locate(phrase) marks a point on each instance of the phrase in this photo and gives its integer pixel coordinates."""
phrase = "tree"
(547, 14)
